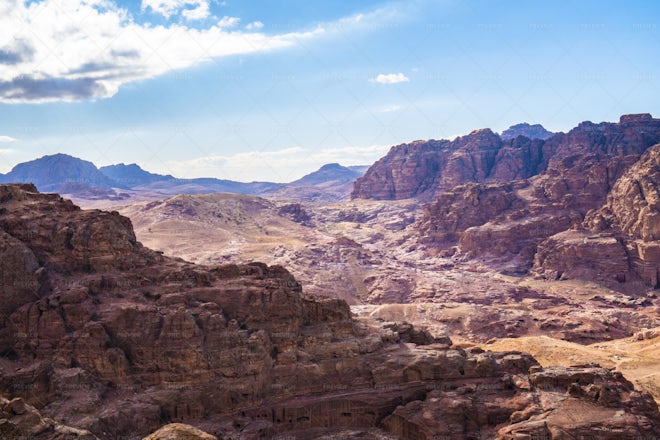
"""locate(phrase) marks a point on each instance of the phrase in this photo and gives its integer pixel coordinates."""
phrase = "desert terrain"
(513, 280)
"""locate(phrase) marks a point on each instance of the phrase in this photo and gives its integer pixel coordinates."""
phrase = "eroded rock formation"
(106, 335)
(507, 221)
(619, 241)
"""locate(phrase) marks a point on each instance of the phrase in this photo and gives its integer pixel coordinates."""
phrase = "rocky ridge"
(106, 335)
(531, 131)
(506, 222)
(619, 241)
(424, 168)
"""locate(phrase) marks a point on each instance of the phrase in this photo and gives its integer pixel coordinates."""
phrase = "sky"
(272, 90)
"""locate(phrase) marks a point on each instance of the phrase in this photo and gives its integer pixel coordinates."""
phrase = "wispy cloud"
(190, 9)
(5, 139)
(278, 166)
(390, 78)
(255, 25)
(71, 50)
(389, 108)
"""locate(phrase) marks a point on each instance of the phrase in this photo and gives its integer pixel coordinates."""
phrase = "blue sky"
(261, 90)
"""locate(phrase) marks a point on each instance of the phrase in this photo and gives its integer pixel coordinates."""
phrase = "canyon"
(465, 291)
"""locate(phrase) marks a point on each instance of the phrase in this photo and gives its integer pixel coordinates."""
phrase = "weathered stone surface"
(582, 255)
(535, 131)
(18, 420)
(179, 431)
(125, 343)
(414, 169)
(552, 403)
(574, 174)
(622, 238)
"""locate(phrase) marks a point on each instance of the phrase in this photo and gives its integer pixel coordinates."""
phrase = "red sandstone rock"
(623, 243)
(121, 340)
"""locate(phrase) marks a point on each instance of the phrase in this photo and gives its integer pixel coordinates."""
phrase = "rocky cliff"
(507, 221)
(531, 131)
(422, 168)
(107, 336)
(618, 242)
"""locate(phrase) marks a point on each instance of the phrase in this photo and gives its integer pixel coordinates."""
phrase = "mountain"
(83, 181)
(327, 175)
(330, 183)
(118, 340)
(132, 175)
(165, 185)
(424, 168)
(61, 172)
(536, 131)
(587, 168)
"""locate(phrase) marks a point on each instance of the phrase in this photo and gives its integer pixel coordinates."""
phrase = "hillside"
(102, 187)
(427, 168)
(65, 174)
(118, 340)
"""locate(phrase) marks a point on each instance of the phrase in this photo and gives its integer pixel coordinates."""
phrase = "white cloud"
(389, 108)
(274, 166)
(199, 9)
(254, 26)
(68, 50)
(72, 50)
(390, 78)
(199, 12)
(4, 139)
(228, 22)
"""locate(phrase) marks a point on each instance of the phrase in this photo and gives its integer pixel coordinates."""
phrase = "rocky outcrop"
(580, 169)
(535, 131)
(621, 240)
(580, 397)
(179, 431)
(542, 404)
(18, 420)
(421, 168)
(465, 206)
(633, 205)
(577, 254)
(120, 340)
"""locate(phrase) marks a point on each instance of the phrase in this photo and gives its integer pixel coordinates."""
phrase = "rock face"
(422, 168)
(414, 169)
(621, 240)
(568, 402)
(536, 131)
(108, 336)
(417, 168)
(179, 431)
(507, 221)
(22, 421)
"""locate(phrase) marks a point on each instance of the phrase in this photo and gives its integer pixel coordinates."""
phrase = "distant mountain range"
(51, 173)
(332, 173)
(82, 179)
(536, 131)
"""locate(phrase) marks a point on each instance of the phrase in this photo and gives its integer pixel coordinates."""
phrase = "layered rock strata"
(102, 334)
